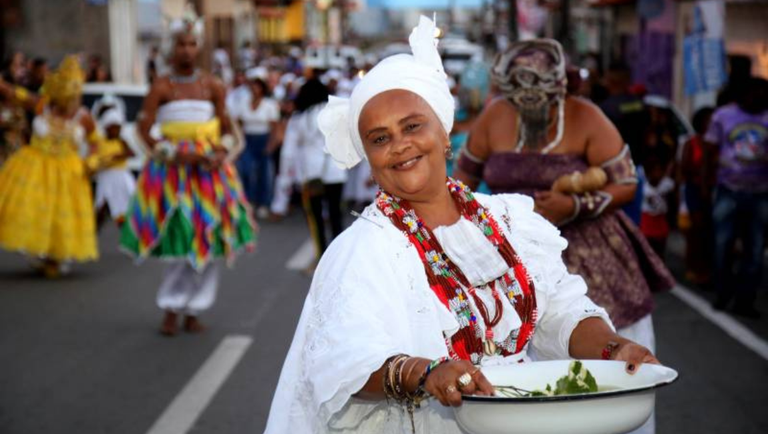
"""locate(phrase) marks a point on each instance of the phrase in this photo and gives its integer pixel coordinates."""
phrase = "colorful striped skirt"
(188, 212)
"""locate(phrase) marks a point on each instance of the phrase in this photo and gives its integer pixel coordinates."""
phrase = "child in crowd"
(698, 200)
(115, 184)
(656, 196)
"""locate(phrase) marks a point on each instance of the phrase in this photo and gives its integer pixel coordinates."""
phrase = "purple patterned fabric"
(609, 252)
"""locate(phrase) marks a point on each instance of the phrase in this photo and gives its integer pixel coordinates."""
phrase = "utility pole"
(514, 35)
(342, 5)
(564, 35)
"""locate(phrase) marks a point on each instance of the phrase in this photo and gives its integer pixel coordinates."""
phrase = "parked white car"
(457, 53)
(330, 56)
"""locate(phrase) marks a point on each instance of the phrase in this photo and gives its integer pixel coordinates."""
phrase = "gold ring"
(465, 379)
(450, 389)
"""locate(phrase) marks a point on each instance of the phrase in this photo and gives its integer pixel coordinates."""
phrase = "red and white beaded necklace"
(452, 287)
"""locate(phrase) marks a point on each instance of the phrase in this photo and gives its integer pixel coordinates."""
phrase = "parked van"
(331, 56)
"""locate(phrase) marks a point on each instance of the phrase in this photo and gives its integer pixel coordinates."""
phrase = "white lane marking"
(190, 403)
(735, 329)
(302, 259)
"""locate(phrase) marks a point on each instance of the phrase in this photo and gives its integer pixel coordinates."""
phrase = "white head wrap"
(332, 74)
(257, 72)
(112, 117)
(189, 22)
(421, 73)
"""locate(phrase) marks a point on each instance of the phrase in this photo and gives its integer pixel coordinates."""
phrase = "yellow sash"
(207, 132)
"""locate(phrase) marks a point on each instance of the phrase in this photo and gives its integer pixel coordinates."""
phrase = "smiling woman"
(406, 146)
(433, 282)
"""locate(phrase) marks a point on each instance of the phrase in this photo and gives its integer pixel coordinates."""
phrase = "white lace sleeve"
(561, 296)
(353, 320)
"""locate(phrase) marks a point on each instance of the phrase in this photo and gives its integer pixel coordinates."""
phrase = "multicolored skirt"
(188, 212)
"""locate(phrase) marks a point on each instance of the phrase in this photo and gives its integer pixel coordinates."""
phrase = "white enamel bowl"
(620, 410)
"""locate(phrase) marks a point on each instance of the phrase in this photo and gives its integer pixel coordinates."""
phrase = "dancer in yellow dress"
(46, 209)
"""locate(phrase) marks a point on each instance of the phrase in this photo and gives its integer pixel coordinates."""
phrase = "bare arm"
(478, 143)
(127, 151)
(88, 124)
(603, 142)
(437, 383)
(19, 96)
(149, 111)
(218, 97)
(592, 335)
(274, 138)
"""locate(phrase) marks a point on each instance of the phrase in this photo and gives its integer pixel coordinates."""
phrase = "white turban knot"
(421, 73)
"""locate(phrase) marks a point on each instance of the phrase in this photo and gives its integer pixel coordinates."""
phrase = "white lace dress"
(370, 299)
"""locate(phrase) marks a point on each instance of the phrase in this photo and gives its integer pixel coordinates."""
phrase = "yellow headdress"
(66, 83)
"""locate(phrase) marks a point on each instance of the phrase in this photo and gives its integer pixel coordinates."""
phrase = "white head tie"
(189, 22)
(112, 116)
(257, 72)
(421, 73)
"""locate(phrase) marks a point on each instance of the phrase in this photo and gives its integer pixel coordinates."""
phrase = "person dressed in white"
(360, 189)
(222, 67)
(432, 282)
(304, 153)
(257, 114)
(114, 183)
(239, 92)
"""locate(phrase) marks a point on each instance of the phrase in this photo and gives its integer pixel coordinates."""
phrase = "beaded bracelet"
(435, 363)
(390, 384)
(165, 150)
(608, 350)
(398, 384)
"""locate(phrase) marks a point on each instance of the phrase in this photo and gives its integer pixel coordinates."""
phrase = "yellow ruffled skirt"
(46, 207)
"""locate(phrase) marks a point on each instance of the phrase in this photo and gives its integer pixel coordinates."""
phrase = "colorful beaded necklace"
(452, 287)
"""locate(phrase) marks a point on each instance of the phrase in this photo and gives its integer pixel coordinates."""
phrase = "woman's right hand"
(186, 158)
(443, 382)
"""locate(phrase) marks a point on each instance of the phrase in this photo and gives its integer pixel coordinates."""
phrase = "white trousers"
(641, 332)
(282, 195)
(114, 187)
(186, 291)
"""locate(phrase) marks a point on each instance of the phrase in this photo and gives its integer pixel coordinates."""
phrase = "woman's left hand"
(635, 355)
(216, 160)
(553, 206)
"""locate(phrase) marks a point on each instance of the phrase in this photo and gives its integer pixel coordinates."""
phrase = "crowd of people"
(691, 180)
(562, 259)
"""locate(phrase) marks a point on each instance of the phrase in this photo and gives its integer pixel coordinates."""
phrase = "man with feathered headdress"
(189, 206)
(46, 209)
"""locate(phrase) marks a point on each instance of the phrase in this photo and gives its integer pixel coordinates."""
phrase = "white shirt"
(304, 143)
(654, 198)
(256, 121)
(235, 99)
(370, 299)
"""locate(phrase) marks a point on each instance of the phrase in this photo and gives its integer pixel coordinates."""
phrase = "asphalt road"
(82, 354)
